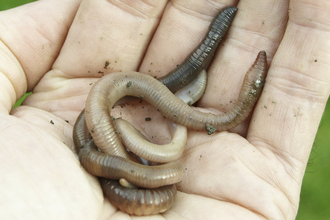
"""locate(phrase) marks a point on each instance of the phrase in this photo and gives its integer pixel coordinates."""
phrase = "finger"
(258, 25)
(31, 37)
(108, 36)
(183, 25)
(297, 87)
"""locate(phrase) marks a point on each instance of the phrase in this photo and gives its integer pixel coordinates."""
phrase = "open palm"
(58, 49)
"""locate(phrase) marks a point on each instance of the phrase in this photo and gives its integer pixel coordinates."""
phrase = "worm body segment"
(139, 201)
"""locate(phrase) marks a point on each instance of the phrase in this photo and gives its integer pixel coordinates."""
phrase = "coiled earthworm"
(249, 93)
(201, 57)
(112, 87)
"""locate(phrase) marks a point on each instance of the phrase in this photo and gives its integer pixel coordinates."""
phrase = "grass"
(7, 4)
(315, 193)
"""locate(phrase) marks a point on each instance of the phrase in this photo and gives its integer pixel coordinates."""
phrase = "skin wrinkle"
(292, 88)
(55, 43)
(287, 161)
(7, 73)
(220, 4)
(312, 18)
(282, 191)
(305, 74)
(272, 183)
(246, 46)
(261, 31)
(141, 11)
(208, 6)
(284, 132)
(193, 13)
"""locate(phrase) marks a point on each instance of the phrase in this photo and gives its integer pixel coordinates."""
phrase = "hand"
(58, 49)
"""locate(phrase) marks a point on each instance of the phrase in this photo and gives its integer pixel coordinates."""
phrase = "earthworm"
(201, 57)
(112, 87)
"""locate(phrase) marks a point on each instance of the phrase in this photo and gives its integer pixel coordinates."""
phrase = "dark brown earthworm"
(201, 57)
(139, 201)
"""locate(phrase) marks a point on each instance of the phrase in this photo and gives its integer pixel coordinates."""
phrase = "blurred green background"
(315, 193)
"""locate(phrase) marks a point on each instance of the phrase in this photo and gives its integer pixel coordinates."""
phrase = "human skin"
(57, 48)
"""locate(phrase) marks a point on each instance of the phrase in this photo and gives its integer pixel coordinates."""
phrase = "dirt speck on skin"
(106, 64)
